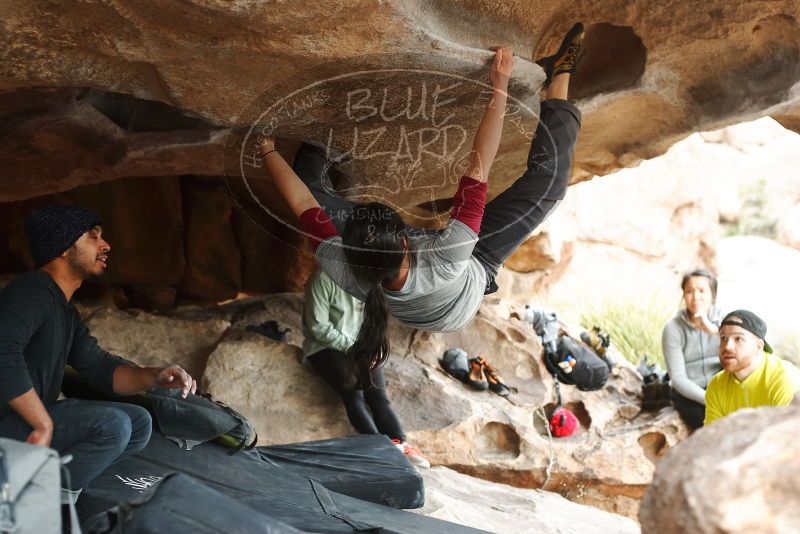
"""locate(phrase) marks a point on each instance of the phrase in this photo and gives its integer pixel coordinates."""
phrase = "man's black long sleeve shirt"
(41, 332)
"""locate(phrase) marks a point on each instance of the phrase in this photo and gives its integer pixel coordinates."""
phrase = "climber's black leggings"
(368, 410)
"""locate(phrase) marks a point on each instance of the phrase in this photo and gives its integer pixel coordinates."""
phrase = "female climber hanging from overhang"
(436, 282)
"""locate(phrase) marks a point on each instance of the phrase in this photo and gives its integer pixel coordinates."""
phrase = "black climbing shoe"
(568, 55)
(269, 329)
(454, 362)
(476, 378)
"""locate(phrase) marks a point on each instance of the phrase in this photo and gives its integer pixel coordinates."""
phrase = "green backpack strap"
(228, 440)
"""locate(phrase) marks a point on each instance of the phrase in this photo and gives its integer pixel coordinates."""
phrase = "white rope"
(552, 462)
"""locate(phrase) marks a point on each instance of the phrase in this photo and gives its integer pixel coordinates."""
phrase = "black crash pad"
(275, 490)
(179, 504)
(366, 467)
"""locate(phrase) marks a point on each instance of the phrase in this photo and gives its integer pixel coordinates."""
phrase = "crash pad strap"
(329, 507)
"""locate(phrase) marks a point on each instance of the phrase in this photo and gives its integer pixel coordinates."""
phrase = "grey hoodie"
(692, 356)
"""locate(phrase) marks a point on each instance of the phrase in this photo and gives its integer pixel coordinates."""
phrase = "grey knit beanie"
(53, 229)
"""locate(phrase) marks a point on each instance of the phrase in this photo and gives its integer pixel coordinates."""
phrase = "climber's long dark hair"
(375, 243)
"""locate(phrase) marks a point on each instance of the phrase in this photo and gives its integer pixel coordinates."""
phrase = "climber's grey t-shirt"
(444, 288)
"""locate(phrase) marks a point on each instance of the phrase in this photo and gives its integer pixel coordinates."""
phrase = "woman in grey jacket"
(691, 346)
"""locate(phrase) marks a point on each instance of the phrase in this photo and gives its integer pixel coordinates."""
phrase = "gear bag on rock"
(198, 418)
(187, 422)
(570, 361)
(576, 364)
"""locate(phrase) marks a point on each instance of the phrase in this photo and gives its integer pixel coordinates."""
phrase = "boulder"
(154, 340)
(643, 85)
(539, 252)
(787, 230)
(60, 138)
(499, 508)
(738, 475)
(266, 381)
(608, 464)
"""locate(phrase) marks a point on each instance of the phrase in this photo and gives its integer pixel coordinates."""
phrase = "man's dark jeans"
(96, 434)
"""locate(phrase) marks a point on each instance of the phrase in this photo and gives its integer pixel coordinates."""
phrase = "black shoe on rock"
(568, 55)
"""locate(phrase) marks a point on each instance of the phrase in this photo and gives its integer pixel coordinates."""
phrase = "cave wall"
(653, 72)
(173, 239)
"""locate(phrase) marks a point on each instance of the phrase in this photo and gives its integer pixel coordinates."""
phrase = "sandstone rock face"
(173, 239)
(738, 475)
(213, 258)
(141, 220)
(59, 138)
(540, 252)
(477, 433)
(153, 340)
(651, 223)
(759, 274)
(788, 228)
(498, 508)
(110, 90)
(266, 382)
(644, 84)
(608, 464)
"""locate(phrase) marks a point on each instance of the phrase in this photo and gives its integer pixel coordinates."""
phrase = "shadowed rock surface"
(609, 464)
(154, 102)
(167, 80)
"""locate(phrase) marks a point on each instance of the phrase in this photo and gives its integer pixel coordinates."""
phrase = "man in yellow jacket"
(752, 376)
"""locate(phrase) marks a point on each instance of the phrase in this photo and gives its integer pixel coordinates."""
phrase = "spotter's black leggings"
(368, 410)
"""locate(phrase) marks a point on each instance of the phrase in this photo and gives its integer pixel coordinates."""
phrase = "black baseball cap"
(750, 322)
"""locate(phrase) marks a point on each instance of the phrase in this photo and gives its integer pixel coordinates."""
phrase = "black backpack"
(187, 422)
(589, 372)
(199, 418)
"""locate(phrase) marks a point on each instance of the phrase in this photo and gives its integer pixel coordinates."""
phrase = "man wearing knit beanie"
(54, 229)
(41, 332)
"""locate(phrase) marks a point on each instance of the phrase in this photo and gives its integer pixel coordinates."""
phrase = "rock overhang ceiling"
(653, 72)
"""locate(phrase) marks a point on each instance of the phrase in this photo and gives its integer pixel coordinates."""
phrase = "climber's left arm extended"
(487, 138)
(290, 186)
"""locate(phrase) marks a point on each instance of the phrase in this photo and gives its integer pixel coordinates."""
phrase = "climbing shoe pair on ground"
(477, 372)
